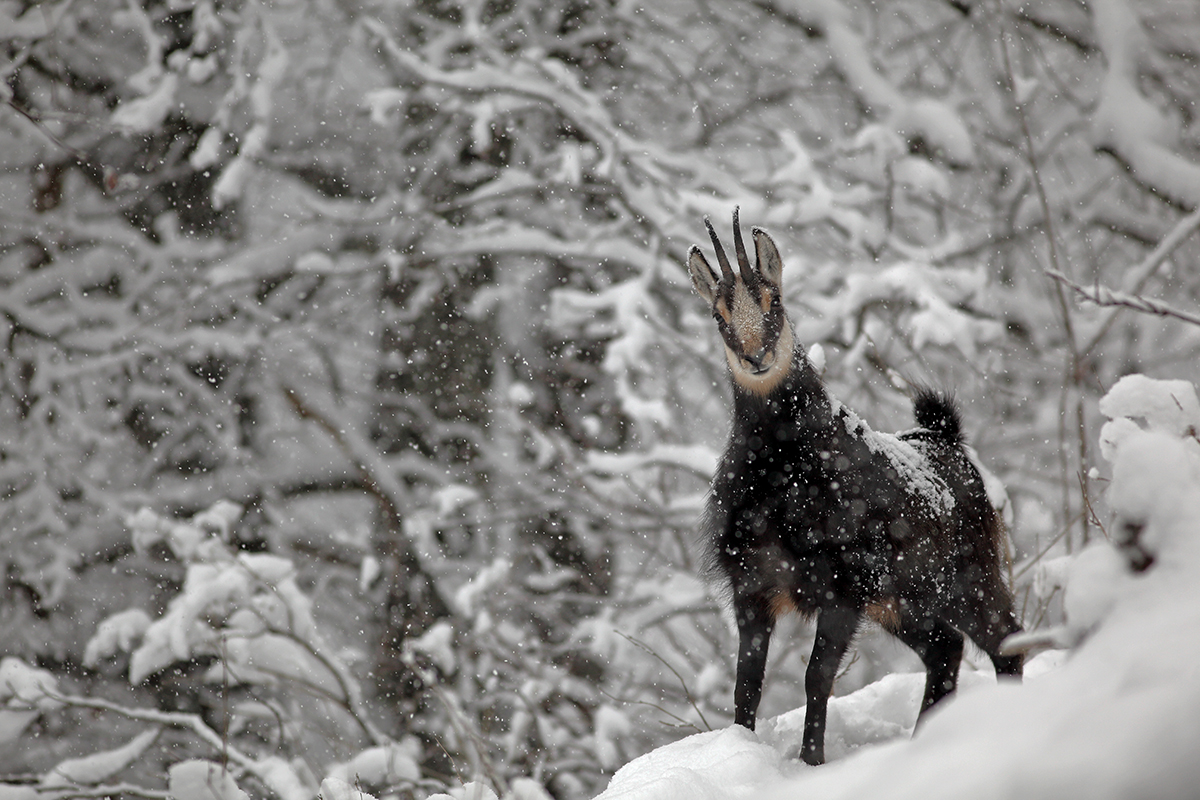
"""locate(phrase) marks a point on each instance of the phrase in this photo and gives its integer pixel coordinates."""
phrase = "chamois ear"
(770, 265)
(703, 277)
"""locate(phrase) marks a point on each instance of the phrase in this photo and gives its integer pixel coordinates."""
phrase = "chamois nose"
(759, 361)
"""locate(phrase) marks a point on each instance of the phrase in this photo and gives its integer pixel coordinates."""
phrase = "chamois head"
(748, 308)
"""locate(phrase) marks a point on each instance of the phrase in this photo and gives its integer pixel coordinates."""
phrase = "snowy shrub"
(246, 618)
(240, 623)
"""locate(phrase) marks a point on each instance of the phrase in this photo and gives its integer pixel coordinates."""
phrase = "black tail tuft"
(937, 413)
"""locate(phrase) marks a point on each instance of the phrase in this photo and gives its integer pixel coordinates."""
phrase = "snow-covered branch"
(917, 118)
(1128, 123)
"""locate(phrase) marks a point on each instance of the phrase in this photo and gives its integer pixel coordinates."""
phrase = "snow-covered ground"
(1113, 711)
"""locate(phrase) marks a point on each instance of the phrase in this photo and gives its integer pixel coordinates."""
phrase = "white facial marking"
(746, 318)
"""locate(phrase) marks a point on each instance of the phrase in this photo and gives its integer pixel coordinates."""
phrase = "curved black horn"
(726, 270)
(740, 248)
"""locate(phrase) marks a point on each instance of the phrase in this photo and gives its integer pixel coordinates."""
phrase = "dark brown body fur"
(811, 511)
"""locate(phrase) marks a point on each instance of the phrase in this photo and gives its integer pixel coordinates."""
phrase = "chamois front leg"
(755, 624)
(835, 628)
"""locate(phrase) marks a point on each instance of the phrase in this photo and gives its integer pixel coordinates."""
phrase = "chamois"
(812, 511)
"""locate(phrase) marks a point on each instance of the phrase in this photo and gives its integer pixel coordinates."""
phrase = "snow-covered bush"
(285, 680)
(245, 621)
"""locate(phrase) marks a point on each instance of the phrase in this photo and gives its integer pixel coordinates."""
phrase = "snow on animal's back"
(906, 457)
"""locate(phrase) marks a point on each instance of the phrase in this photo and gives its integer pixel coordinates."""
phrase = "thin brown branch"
(686, 691)
(1110, 298)
(1147, 269)
(1075, 370)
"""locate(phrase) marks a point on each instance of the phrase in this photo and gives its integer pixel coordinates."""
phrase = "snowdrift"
(1113, 712)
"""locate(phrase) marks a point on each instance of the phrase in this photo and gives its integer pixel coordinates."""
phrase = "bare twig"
(1030, 562)
(1044, 607)
(1109, 298)
(1075, 363)
(680, 722)
(1147, 269)
(1091, 511)
(686, 691)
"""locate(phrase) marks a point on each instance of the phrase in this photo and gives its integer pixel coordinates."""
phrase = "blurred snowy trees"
(404, 281)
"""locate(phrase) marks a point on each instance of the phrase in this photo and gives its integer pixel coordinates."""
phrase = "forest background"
(349, 360)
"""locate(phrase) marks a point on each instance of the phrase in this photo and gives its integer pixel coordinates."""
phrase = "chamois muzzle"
(761, 361)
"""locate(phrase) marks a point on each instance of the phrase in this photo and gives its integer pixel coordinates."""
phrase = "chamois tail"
(937, 413)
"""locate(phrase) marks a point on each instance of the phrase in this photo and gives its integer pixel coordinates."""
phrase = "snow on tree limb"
(1126, 122)
(919, 118)
(97, 767)
(645, 171)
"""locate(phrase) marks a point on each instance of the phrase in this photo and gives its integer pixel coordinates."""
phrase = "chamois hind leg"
(988, 622)
(755, 623)
(835, 629)
(940, 648)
